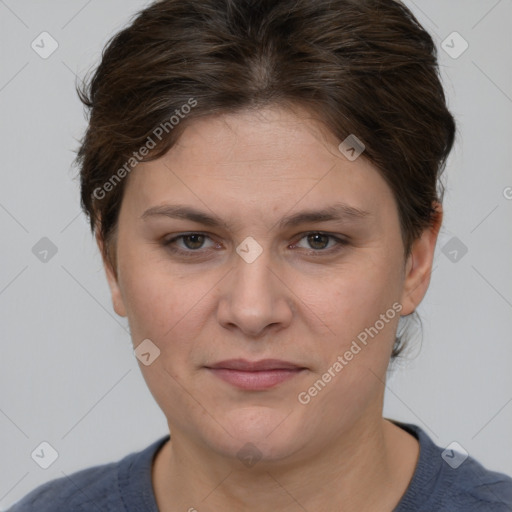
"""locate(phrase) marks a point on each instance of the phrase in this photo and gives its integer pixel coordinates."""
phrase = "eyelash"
(340, 243)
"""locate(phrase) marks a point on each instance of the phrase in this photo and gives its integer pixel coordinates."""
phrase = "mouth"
(255, 375)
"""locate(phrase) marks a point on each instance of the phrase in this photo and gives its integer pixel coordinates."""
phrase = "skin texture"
(294, 302)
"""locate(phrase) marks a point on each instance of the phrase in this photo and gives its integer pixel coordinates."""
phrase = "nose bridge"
(253, 299)
(252, 277)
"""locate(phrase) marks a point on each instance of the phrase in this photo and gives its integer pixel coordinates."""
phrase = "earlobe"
(112, 278)
(418, 267)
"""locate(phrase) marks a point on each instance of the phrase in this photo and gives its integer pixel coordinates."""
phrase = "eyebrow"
(336, 212)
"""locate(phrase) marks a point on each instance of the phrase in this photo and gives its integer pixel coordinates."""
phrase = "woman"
(262, 181)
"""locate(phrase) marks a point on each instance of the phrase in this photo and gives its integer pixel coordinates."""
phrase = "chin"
(262, 432)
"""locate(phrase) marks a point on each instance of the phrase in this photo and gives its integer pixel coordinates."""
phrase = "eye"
(200, 243)
(321, 242)
(189, 242)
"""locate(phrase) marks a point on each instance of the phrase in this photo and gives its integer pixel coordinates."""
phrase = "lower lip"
(255, 380)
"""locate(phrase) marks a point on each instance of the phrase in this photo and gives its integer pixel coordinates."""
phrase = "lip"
(254, 366)
(255, 375)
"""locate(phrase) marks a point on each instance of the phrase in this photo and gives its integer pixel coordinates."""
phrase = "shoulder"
(107, 487)
(88, 489)
(476, 486)
(450, 480)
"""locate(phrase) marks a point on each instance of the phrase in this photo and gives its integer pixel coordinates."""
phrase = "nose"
(253, 299)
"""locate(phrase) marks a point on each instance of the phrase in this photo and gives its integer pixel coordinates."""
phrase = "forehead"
(262, 140)
(273, 159)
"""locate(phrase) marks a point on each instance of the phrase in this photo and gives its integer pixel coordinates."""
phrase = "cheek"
(357, 306)
(169, 308)
(352, 297)
(156, 299)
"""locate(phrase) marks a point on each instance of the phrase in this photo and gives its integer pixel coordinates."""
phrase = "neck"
(368, 468)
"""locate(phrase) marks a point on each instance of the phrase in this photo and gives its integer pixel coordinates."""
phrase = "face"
(254, 238)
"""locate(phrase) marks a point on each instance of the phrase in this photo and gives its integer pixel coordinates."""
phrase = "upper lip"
(254, 366)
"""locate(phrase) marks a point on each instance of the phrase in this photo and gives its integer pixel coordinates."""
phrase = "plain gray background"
(67, 371)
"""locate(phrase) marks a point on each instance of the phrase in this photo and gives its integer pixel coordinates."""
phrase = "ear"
(419, 265)
(112, 277)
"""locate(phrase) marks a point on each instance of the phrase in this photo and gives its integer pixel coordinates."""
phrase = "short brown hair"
(364, 67)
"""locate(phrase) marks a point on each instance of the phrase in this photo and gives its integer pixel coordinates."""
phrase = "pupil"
(193, 241)
(318, 241)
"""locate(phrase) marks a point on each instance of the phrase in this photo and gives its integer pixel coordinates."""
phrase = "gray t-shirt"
(125, 486)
